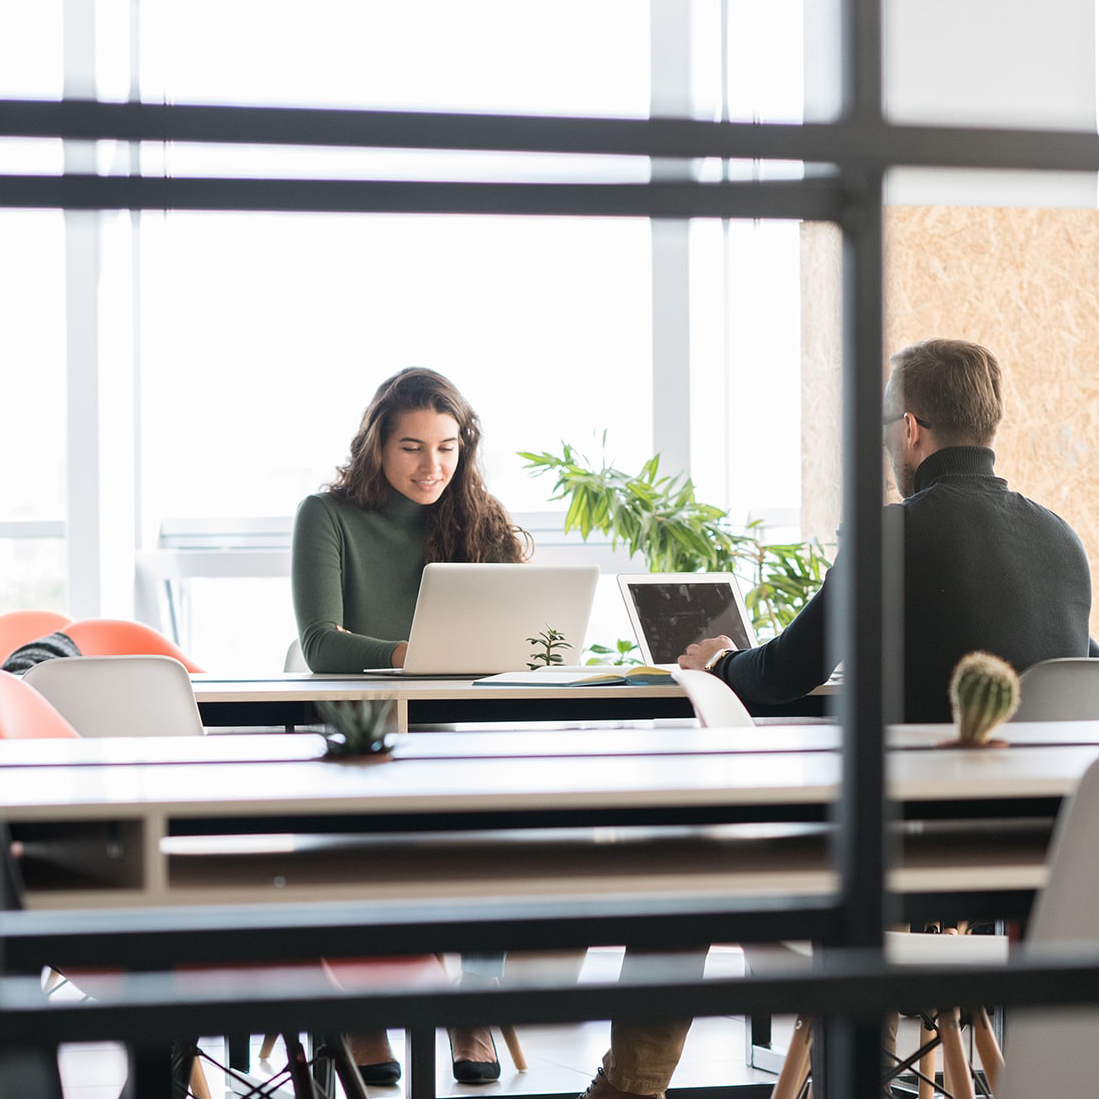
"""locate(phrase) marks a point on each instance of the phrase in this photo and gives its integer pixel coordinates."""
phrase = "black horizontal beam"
(865, 145)
(161, 938)
(815, 200)
(159, 1006)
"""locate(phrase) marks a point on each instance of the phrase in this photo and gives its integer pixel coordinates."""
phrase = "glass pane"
(582, 57)
(264, 338)
(987, 63)
(32, 354)
(32, 574)
(746, 347)
(31, 47)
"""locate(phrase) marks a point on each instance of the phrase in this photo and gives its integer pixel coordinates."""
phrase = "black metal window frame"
(850, 157)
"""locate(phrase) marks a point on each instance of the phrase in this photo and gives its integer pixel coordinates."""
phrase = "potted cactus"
(984, 693)
(357, 726)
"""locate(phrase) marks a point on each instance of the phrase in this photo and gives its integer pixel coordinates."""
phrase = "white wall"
(991, 63)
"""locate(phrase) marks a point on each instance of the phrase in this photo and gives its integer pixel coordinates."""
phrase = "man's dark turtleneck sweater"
(984, 568)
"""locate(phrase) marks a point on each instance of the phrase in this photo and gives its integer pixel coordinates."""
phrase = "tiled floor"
(561, 1059)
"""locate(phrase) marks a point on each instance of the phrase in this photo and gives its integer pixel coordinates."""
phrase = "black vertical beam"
(852, 1046)
(420, 1062)
(860, 847)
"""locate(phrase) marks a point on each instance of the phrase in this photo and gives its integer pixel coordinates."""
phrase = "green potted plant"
(357, 726)
(658, 518)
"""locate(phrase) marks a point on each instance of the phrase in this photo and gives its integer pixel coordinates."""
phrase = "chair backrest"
(1059, 690)
(19, 627)
(120, 637)
(120, 695)
(25, 714)
(715, 703)
(295, 658)
(1049, 1052)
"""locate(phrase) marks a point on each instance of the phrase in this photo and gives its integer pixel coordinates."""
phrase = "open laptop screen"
(670, 611)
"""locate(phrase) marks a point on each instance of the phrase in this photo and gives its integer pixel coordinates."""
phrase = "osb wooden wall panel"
(1023, 282)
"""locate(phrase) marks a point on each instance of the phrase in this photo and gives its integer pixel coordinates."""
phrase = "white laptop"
(474, 619)
(671, 610)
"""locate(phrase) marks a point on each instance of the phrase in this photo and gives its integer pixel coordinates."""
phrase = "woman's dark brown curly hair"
(466, 523)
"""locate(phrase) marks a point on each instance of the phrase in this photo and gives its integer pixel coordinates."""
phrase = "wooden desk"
(287, 699)
(678, 813)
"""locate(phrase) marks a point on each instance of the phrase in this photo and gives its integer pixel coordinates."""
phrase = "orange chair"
(24, 713)
(120, 637)
(19, 627)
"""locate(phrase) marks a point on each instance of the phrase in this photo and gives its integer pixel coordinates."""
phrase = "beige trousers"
(643, 1057)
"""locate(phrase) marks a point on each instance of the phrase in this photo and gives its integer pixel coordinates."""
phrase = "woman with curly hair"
(410, 493)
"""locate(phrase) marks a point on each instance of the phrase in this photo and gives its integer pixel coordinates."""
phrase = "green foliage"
(356, 727)
(622, 652)
(547, 641)
(659, 519)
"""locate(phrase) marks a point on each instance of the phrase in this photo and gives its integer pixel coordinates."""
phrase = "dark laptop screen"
(675, 615)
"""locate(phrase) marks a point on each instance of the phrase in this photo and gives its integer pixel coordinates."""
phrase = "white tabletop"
(450, 772)
(131, 822)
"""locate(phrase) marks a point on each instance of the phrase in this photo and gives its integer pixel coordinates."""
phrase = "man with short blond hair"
(984, 568)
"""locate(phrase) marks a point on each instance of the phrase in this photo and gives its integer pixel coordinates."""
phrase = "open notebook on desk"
(583, 675)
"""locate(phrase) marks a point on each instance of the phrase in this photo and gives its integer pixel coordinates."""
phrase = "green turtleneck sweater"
(359, 570)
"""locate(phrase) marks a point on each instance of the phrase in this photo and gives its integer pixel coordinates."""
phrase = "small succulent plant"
(547, 641)
(356, 727)
(984, 692)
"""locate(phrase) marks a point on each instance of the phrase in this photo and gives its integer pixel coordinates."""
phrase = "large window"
(247, 345)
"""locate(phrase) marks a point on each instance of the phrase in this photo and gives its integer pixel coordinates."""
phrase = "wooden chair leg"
(988, 1049)
(268, 1046)
(927, 1061)
(955, 1067)
(301, 1078)
(199, 1085)
(511, 1040)
(795, 1066)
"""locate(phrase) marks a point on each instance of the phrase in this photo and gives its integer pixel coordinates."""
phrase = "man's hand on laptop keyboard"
(701, 654)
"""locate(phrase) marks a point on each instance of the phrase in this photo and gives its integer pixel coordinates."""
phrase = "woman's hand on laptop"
(700, 654)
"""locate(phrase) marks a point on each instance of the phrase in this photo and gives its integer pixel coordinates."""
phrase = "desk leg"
(420, 1062)
(30, 1072)
(402, 715)
(151, 1072)
(240, 1052)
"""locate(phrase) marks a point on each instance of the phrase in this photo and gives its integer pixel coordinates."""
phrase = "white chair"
(295, 659)
(715, 703)
(1050, 1052)
(120, 695)
(1066, 689)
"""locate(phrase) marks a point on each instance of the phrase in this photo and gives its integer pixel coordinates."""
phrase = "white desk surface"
(103, 807)
(444, 772)
(297, 687)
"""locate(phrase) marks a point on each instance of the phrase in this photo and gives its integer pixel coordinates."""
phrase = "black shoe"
(473, 1053)
(383, 1074)
(378, 1066)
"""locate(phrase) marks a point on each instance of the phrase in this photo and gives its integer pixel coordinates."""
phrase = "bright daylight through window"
(248, 344)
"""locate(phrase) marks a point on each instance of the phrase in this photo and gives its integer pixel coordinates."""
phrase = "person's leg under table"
(643, 1056)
